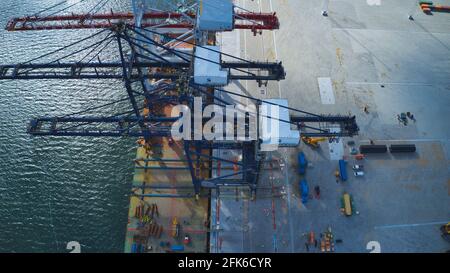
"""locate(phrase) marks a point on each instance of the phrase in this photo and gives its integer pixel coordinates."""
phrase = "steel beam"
(263, 71)
(242, 20)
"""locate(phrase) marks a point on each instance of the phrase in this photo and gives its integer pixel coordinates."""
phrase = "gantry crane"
(153, 66)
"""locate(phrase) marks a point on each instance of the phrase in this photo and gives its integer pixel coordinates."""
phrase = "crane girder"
(161, 20)
(266, 71)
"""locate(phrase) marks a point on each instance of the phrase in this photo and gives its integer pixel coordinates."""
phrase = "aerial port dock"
(359, 91)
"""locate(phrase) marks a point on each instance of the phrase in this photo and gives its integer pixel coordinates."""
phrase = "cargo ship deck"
(163, 194)
(163, 209)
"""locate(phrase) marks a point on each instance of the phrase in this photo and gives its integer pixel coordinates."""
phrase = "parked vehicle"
(347, 206)
(304, 190)
(302, 163)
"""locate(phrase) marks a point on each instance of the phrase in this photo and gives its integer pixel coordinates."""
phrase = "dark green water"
(56, 190)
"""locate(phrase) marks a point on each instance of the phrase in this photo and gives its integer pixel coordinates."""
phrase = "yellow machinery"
(347, 204)
(175, 227)
(327, 241)
(313, 141)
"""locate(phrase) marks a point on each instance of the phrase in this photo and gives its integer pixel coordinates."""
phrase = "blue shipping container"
(302, 163)
(177, 248)
(343, 169)
(304, 190)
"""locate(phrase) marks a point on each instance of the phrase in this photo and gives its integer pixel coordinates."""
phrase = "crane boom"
(170, 20)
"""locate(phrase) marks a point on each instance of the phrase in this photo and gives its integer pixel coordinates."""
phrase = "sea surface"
(57, 190)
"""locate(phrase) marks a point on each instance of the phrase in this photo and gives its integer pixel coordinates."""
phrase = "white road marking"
(374, 2)
(326, 90)
(394, 83)
(389, 30)
(411, 225)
